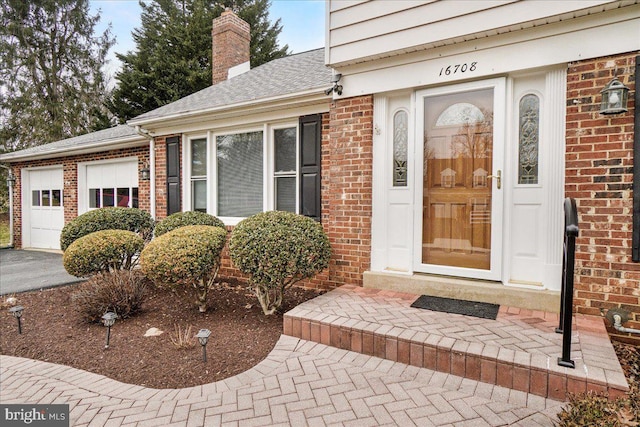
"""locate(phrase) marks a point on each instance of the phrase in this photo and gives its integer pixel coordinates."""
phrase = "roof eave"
(114, 144)
(315, 94)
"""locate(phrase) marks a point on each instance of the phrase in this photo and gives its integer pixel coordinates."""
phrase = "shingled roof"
(118, 134)
(292, 74)
(297, 73)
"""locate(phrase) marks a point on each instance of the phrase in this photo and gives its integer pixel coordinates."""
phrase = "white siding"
(362, 30)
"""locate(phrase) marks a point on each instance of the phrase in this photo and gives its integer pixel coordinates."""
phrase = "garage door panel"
(126, 175)
(111, 184)
(44, 208)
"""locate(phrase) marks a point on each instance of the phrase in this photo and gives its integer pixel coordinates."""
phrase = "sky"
(302, 24)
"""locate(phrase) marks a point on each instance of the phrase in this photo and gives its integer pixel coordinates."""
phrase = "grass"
(4, 231)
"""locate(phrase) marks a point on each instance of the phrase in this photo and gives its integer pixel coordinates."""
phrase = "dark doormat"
(483, 310)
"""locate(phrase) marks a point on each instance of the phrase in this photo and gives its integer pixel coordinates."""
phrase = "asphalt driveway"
(26, 270)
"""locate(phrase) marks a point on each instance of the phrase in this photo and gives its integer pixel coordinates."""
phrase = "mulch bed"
(241, 335)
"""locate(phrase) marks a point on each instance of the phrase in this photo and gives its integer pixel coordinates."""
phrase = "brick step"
(518, 350)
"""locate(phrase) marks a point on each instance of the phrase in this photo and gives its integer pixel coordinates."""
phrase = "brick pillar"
(70, 191)
(599, 175)
(347, 188)
(17, 206)
(144, 187)
(230, 38)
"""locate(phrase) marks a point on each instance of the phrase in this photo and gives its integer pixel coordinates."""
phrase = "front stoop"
(518, 350)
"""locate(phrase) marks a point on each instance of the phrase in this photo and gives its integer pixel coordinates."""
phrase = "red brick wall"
(347, 160)
(347, 202)
(599, 174)
(70, 178)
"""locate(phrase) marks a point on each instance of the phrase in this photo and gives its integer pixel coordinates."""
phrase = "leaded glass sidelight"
(400, 140)
(529, 139)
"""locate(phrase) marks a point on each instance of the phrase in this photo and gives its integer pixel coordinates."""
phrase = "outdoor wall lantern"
(108, 319)
(145, 172)
(11, 179)
(337, 88)
(614, 98)
(203, 338)
(17, 313)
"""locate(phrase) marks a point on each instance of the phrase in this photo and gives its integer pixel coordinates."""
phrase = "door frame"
(497, 206)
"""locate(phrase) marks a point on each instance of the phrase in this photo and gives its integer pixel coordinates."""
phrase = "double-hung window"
(199, 174)
(240, 170)
(285, 175)
(237, 174)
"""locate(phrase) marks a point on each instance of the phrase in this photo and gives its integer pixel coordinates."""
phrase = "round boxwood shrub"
(131, 219)
(277, 249)
(102, 251)
(180, 219)
(188, 256)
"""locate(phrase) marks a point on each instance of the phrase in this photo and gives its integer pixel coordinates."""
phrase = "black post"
(204, 353)
(566, 308)
(560, 327)
(108, 336)
(19, 325)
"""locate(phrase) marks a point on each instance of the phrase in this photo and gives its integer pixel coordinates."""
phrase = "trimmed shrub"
(122, 292)
(180, 219)
(277, 249)
(131, 219)
(187, 256)
(102, 251)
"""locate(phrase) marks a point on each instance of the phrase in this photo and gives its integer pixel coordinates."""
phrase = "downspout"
(152, 168)
(10, 185)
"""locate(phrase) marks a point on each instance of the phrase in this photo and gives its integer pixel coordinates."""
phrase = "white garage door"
(44, 204)
(111, 184)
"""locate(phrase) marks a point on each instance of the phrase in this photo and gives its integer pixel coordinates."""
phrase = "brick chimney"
(230, 45)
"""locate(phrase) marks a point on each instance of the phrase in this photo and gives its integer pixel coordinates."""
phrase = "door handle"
(498, 176)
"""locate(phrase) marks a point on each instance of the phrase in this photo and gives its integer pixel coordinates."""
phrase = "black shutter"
(310, 161)
(173, 175)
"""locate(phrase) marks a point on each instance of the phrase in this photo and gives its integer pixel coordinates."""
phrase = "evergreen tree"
(51, 83)
(173, 51)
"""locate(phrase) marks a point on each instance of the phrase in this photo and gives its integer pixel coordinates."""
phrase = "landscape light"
(17, 313)
(203, 338)
(108, 319)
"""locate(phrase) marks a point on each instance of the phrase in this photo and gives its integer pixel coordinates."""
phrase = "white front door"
(459, 179)
(43, 204)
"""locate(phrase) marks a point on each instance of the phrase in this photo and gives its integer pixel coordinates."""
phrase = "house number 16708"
(458, 68)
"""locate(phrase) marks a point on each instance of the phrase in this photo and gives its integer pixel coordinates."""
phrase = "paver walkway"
(518, 350)
(300, 383)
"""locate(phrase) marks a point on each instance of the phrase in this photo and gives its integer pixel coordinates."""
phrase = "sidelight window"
(529, 139)
(400, 141)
